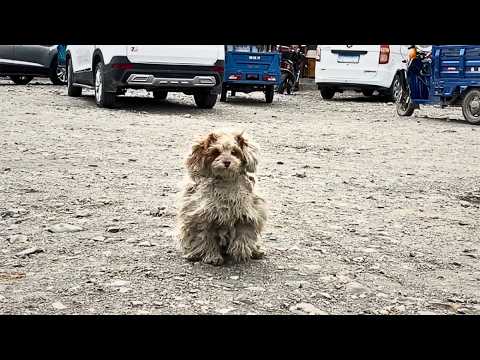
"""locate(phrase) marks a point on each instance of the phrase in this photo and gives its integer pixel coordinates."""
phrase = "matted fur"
(219, 212)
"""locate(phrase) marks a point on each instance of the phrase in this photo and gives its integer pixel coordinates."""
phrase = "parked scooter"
(419, 65)
(291, 66)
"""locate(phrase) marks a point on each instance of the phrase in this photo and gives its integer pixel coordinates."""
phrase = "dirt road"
(369, 213)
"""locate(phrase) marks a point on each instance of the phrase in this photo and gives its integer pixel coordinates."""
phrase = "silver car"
(24, 62)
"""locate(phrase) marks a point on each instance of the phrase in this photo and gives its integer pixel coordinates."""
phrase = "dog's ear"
(249, 150)
(196, 159)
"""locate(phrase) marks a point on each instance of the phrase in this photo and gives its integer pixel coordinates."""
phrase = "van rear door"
(175, 54)
(350, 62)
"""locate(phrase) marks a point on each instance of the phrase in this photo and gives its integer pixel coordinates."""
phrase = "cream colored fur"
(219, 213)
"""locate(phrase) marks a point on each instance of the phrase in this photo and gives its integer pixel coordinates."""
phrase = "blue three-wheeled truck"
(251, 68)
(449, 75)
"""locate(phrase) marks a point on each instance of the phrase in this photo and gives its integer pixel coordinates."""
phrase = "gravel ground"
(369, 213)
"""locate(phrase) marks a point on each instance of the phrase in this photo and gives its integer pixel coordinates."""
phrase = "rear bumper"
(182, 78)
(381, 79)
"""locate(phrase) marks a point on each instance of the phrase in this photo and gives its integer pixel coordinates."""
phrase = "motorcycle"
(290, 67)
(417, 74)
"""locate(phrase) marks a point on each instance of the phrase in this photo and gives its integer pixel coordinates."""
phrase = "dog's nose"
(227, 163)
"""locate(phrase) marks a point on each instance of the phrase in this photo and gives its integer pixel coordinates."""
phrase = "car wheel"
(21, 79)
(223, 96)
(471, 106)
(367, 92)
(205, 100)
(72, 90)
(102, 98)
(58, 74)
(327, 93)
(269, 92)
(160, 94)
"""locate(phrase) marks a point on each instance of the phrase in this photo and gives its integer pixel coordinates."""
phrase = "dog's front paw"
(258, 253)
(240, 251)
(215, 259)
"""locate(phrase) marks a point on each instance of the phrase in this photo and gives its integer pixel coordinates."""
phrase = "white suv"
(364, 68)
(111, 69)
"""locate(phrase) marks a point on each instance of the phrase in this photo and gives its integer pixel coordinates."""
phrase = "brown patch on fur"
(199, 151)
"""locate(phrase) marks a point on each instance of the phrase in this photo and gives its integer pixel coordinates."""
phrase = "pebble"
(234, 277)
(99, 238)
(356, 288)
(124, 290)
(326, 295)
(224, 311)
(64, 228)
(136, 303)
(17, 238)
(59, 306)
(146, 243)
(29, 251)
(119, 283)
(113, 229)
(83, 214)
(306, 309)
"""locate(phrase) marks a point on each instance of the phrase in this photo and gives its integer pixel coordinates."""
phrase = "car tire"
(160, 94)
(367, 92)
(58, 74)
(327, 93)
(21, 79)
(103, 98)
(72, 90)
(223, 95)
(269, 93)
(471, 106)
(205, 100)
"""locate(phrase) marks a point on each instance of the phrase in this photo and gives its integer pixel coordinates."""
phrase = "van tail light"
(235, 77)
(384, 54)
(269, 78)
(126, 66)
(219, 69)
(319, 54)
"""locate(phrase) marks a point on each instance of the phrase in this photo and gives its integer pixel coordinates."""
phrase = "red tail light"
(235, 77)
(122, 66)
(269, 78)
(384, 54)
(218, 69)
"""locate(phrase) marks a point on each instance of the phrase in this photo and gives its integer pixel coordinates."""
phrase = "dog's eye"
(236, 153)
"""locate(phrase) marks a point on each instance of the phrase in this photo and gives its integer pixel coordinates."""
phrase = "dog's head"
(222, 154)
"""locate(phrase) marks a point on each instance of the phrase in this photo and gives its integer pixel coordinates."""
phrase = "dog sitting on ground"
(219, 212)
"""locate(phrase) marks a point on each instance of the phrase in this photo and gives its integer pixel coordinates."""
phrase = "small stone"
(280, 162)
(463, 223)
(326, 295)
(136, 303)
(17, 238)
(300, 175)
(113, 229)
(64, 228)
(124, 290)
(83, 214)
(146, 244)
(59, 306)
(234, 277)
(99, 238)
(119, 283)
(188, 116)
(305, 308)
(356, 288)
(224, 311)
(29, 251)
(132, 240)
(426, 313)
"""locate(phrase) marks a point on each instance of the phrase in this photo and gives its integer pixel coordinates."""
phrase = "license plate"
(348, 58)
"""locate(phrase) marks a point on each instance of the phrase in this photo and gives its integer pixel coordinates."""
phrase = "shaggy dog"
(219, 212)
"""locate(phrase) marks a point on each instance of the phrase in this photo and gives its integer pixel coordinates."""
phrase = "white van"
(111, 69)
(364, 68)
